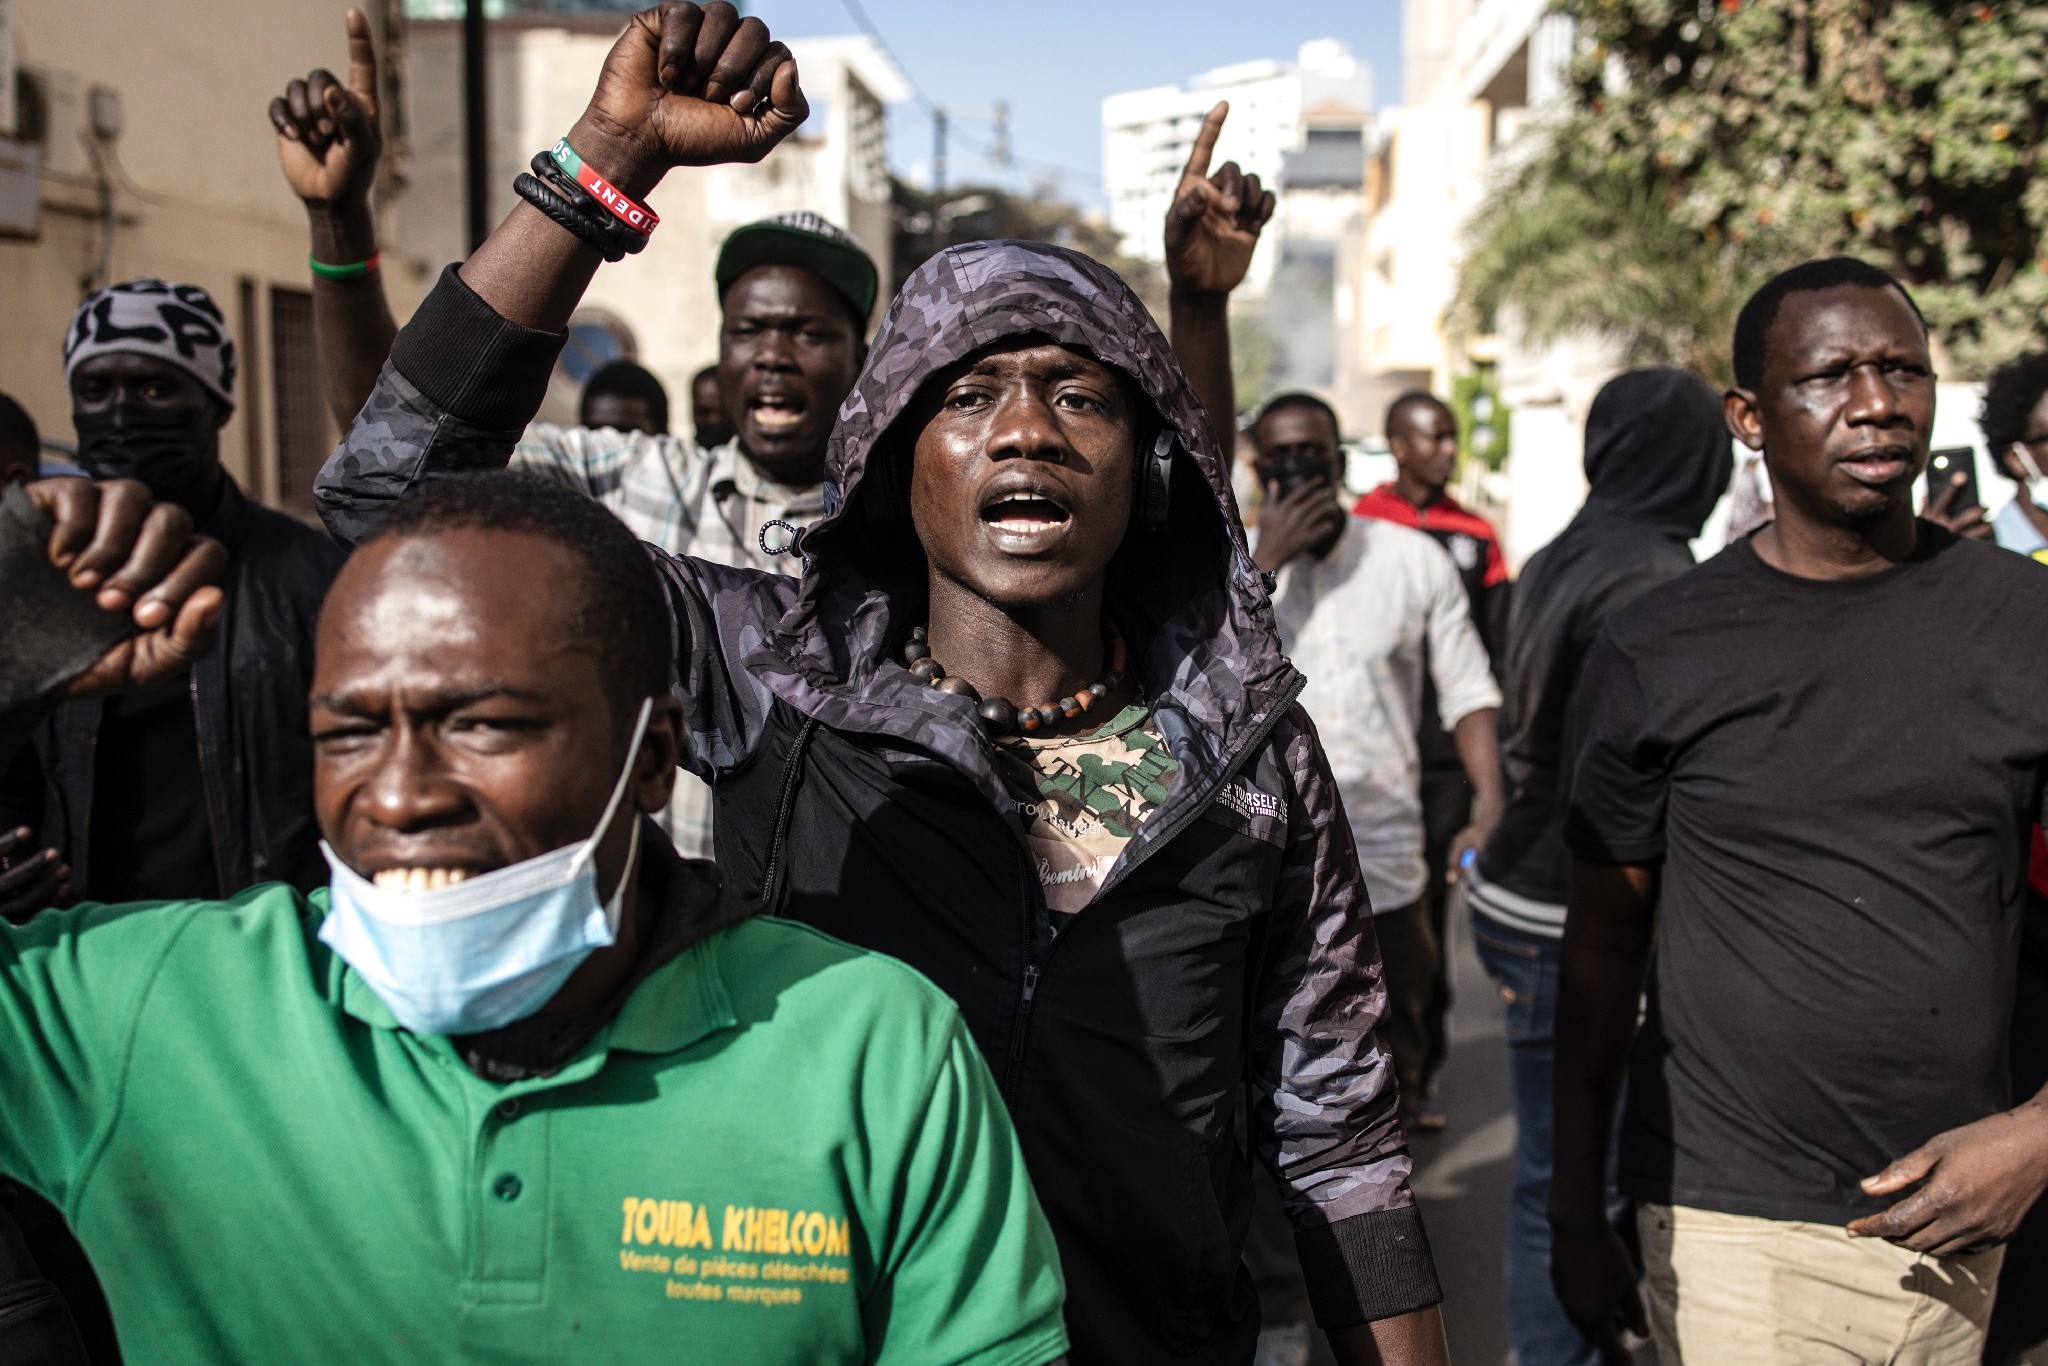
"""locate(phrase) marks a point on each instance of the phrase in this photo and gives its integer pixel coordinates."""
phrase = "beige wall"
(208, 203)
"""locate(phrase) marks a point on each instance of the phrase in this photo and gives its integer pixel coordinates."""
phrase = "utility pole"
(476, 146)
(942, 115)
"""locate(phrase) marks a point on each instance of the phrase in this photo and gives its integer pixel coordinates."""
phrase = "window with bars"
(303, 436)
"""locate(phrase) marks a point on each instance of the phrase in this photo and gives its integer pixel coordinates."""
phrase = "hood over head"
(1189, 600)
(1657, 450)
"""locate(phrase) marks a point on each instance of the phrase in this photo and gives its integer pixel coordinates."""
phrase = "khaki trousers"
(1733, 1290)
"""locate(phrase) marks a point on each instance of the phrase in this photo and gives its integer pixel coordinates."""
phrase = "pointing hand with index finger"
(1216, 219)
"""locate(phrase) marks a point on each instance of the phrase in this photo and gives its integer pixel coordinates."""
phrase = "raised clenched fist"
(688, 85)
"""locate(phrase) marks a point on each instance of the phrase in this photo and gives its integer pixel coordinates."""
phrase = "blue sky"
(1054, 60)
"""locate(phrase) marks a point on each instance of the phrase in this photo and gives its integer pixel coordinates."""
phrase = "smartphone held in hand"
(1942, 468)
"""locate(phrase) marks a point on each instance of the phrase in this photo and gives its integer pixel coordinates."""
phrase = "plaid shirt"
(688, 500)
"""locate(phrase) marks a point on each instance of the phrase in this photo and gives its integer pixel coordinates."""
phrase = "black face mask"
(1293, 469)
(173, 450)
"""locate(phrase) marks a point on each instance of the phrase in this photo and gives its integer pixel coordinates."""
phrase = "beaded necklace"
(998, 717)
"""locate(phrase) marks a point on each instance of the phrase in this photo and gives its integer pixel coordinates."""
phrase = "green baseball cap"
(808, 242)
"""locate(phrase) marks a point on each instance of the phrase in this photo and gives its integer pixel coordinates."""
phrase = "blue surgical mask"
(2036, 483)
(489, 950)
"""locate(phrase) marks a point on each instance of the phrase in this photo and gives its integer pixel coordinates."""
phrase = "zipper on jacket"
(1187, 818)
(1035, 954)
(791, 767)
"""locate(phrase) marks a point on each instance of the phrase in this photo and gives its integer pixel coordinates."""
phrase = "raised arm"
(683, 85)
(1211, 230)
(328, 141)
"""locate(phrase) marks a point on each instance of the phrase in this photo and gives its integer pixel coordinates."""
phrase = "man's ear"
(654, 773)
(1745, 419)
(220, 412)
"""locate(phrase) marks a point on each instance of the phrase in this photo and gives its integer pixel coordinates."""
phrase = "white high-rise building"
(1276, 108)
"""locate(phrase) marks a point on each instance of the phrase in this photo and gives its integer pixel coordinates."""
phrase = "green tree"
(1703, 145)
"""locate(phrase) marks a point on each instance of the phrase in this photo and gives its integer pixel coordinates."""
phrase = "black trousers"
(1446, 809)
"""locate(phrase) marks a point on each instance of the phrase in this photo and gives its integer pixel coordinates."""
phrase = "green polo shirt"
(783, 1149)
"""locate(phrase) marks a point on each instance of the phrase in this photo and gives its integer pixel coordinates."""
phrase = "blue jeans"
(1525, 966)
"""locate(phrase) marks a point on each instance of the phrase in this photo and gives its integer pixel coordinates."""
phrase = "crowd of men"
(908, 860)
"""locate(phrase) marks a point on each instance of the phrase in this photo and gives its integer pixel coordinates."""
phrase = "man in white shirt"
(1356, 601)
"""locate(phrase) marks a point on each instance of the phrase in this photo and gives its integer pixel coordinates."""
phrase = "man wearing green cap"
(796, 293)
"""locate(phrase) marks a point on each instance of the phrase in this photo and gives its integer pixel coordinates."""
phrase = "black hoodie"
(1657, 460)
(1228, 958)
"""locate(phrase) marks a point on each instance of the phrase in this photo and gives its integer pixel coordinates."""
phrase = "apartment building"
(1476, 75)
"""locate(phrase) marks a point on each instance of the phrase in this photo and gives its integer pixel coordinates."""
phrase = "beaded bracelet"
(348, 272)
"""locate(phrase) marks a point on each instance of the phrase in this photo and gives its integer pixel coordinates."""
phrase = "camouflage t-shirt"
(1084, 797)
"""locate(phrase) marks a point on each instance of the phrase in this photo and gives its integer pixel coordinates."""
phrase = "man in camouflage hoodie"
(1147, 921)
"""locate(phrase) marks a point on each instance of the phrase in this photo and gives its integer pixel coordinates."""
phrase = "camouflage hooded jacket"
(1230, 950)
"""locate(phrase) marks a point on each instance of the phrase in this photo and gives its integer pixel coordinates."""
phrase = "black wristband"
(565, 216)
(626, 238)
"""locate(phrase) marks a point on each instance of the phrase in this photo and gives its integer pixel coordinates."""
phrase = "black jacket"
(1229, 957)
(1658, 457)
(249, 696)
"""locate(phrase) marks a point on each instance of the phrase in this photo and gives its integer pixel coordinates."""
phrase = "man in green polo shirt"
(520, 1086)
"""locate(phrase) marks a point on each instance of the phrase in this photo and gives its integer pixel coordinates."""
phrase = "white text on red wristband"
(629, 211)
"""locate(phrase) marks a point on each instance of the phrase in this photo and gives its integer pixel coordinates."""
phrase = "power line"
(932, 111)
(867, 26)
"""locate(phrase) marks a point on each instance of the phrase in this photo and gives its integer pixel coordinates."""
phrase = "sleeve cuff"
(471, 362)
(1370, 1266)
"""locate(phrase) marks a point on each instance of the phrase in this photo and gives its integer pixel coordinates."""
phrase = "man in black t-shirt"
(1811, 764)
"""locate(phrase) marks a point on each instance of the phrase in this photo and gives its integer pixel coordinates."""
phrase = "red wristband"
(629, 211)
